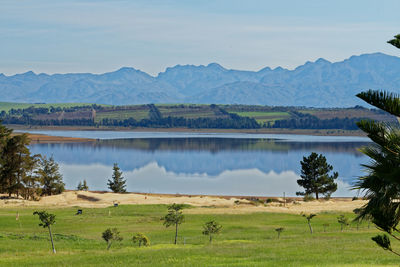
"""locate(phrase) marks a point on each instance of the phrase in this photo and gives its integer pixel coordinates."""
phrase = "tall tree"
(50, 177)
(315, 176)
(174, 217)
(117, 182)
(30, 179)
(381, 183)
(13, 157)
(4, 135)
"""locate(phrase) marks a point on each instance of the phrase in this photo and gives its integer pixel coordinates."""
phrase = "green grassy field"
(263, 116)
(246, 240)
(122, 115)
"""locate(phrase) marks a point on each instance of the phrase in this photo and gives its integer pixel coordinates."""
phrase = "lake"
(197, 163)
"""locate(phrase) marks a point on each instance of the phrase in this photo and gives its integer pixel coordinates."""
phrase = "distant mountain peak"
(265, 69)
(127, 69)
(322, 61)
(279, 68)
(215, 66)
(28, 73)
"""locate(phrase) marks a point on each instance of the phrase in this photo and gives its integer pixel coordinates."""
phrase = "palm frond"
(386, 101)
(396, 41)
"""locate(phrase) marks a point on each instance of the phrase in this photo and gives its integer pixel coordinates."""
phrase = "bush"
(307, 198)
(141, 239)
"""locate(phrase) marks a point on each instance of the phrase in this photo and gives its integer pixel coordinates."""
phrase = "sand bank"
(203, 204)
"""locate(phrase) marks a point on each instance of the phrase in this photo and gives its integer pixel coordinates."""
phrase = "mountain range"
(314, 84)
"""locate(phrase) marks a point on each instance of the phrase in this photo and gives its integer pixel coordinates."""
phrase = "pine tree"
(315, 176)
(49, 176)
(117, 182)
(13, 156)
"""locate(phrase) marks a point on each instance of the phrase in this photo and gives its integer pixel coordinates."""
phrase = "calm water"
(229, 164)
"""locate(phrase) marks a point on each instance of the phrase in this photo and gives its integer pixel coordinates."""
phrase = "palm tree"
(381, 184)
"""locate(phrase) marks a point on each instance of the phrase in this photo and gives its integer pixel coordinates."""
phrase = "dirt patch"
(41, 138)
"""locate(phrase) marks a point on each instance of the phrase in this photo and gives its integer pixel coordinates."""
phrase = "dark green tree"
(50, 177)
(381, 184)
(5, 133)
(30, 179)
(111, 235)
(47, 220)
(174, 217)
(117, 182)
(315, 176)
(211, 228)
(13, 158)
(141, 239)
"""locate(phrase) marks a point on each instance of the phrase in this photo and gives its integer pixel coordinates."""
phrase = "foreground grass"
(246, 240)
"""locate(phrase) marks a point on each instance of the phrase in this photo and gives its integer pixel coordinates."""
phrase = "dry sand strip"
(41, 138)
(203, 204)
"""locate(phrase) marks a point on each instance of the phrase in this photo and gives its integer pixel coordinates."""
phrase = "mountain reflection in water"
(201, 165)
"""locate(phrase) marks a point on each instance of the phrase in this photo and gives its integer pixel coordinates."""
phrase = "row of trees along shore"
(23, 174)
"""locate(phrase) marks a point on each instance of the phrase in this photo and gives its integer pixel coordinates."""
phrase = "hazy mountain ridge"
(320, 84)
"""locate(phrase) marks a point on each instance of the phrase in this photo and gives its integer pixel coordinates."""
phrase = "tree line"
(23, 174)
(307, 121)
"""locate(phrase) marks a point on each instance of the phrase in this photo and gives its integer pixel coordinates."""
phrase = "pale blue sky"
(58, 36)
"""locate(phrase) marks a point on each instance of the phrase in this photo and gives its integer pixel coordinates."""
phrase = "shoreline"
(314, 132)
(48, 139)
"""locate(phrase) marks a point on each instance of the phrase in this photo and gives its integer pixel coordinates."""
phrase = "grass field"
(246, 240)
(122, 115)
(263, 116)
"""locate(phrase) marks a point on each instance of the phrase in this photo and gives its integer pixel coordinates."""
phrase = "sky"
(62, 36)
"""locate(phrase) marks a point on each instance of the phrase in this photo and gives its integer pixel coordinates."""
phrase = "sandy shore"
(41, 138)
(317, 132)
(202, 204)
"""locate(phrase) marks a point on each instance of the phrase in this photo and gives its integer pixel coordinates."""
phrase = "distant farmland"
(187, 116)
(6, 106)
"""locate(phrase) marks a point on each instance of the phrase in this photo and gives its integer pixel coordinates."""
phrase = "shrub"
(141, 239)
(308, 197)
